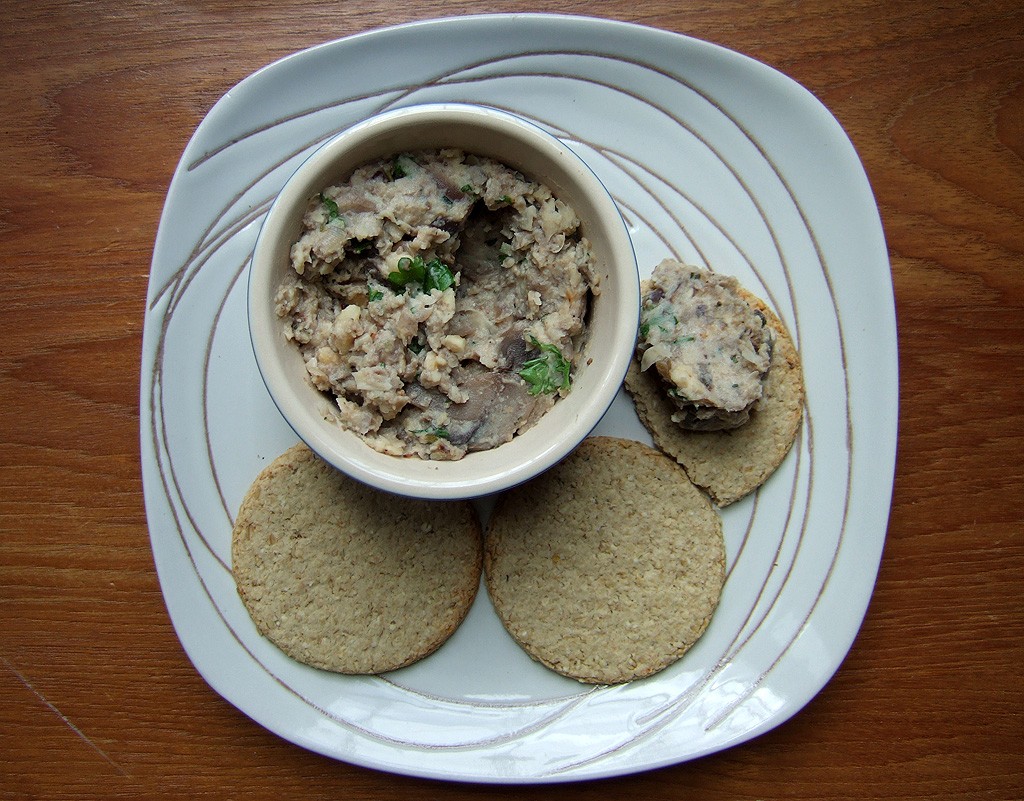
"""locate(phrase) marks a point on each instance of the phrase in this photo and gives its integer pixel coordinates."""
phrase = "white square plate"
(714, 159)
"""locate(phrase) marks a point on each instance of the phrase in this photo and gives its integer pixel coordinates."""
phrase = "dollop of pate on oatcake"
(711, 348)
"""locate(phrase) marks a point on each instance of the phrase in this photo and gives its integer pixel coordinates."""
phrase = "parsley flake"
(333, 213)
(426, 276)
(433, 433)
(547, 372)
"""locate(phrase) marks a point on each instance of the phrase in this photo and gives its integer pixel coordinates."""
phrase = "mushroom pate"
(710, 347)
(440, 298)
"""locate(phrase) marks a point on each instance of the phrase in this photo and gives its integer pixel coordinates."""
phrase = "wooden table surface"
(97, 102)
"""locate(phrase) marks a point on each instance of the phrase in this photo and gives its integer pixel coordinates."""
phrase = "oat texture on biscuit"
(730, 464)
(608, 567)
(343, 577)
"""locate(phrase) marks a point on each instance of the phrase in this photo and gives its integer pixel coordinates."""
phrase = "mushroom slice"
(498, 405)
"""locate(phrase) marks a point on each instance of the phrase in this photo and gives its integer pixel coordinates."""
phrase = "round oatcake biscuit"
(343, 577)
(730, 464)
(607, 567)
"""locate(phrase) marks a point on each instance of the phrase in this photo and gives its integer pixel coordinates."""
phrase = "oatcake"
(608, 567)
(346, 578)
(730, 464)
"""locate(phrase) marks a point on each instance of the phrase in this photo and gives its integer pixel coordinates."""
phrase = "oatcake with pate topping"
(345, 578)
(608, 567)
(744, 343)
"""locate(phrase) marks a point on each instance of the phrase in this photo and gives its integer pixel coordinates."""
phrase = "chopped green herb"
(433, 432)
(467, 188)
(410, 271)
(681, 340)
(427, 276)
(332, 208)
(361, 246)
(438, 276)
(376, 294)
(401, 166)
(547, 372)
(505, 199)
(660, 321)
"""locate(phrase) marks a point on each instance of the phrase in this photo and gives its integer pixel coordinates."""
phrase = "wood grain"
(99, 700)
